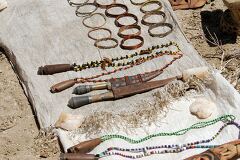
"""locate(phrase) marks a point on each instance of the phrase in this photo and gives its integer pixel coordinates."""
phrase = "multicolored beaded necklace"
(173, 148)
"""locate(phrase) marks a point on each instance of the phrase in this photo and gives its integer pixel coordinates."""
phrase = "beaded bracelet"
(224, 118)
(176, 147)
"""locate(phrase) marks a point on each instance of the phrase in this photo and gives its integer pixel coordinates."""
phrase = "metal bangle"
(86, 25)
(106, 39)
(82, 14)
(73, 4)
(137, 3)
(126, 15)
(103, 6)
(123, 28)
(113, 6)
(97, 29)
(149, 14)
(134, 46)
(151, 2)
(161, 34)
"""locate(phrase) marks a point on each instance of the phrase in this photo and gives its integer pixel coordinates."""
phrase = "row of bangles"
(228, 151)
(122, 27)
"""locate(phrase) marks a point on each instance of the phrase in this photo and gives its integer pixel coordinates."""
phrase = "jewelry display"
(149, 3)
(118, 24)
(88, 17)
(125, 28)
(133, 47)
(149, 14)
(116, 5)
(98, 29)
(82, 14)
(74, 4)
(160, 35)
(96, 44)
(104, 6)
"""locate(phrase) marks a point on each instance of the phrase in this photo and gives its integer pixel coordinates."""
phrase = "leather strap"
(161, 35)
(116, 5)
(149, 14)
(124, 28)
(97, 29)
(88, 17)
(96, 44)
(118, 24)
(133, 47)
(151, 2)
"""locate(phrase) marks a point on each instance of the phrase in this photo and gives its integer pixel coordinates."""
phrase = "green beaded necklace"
(224, 118)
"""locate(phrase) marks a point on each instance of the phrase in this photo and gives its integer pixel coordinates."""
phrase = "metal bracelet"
(106, 47)
(161, 35)
(102, 15)
(82, 14)
(151, 2)
(137, 3)
(149, 14)
(104, 6)
(115, 6)
(124, 28)
(118, 24)
(74, 4)
(97, 29)
(133, 47)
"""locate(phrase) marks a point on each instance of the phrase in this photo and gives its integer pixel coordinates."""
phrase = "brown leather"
(63, 85)
(52, 69)
(77, 156)
(118, 24)
(133, 47)
(85, 147)
(187, 4)
(228, 151)
(124, 28)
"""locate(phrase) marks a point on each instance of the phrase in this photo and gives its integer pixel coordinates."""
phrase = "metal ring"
(136, 3)
(106, 39)
(126, 15)
(161, 34)
(149, 14)
(151, 2)
(123, 28)
(113, 6)
(82, 14)
(73, 4)
(96, 29)
(105, 20)
(102, 5)
(134, 46)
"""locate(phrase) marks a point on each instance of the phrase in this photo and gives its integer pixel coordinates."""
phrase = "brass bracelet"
(73, 4)
(123, 28)
(126, 15)
(161, 34)
(151, 2)
(81, 14)
(86, 25)
(106, 39)
(134, 46)
(96, 29)
(137, 3)
(149, 14)
(113, 6)
(103, 6)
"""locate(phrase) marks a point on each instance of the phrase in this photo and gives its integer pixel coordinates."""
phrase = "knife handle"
(77, 156)
(56, 68)
(82, 89)
(76, 102)
(63, 85)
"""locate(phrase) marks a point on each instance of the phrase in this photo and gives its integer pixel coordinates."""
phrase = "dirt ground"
(19, 134)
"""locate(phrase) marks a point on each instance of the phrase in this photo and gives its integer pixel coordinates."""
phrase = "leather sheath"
(56, 68)
(77, 156)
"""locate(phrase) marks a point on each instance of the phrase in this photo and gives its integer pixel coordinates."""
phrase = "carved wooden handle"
(77, 156)
(52, 69)
(63, 85)
(85, 147)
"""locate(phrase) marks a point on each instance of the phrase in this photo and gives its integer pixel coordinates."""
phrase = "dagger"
(119, 92)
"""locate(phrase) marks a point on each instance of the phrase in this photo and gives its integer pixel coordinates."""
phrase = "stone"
(202, 108)
(69, 122)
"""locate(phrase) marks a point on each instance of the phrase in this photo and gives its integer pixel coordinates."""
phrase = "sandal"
(187, 4)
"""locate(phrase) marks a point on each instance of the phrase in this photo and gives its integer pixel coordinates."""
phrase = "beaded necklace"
(174, 148)
(224, 118)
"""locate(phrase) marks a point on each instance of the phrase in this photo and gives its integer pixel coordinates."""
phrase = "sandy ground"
(19, 134)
